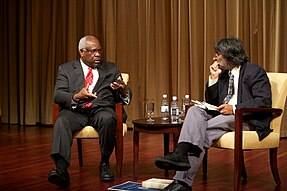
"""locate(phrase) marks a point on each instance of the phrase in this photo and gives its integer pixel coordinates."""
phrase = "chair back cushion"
(279, 92)
(125, 77)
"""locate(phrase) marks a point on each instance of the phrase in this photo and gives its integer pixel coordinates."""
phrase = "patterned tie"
(230, 88)
(89, 81)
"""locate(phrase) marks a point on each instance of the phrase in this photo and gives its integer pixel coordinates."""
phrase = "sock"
(185, 148)
(195, 151)
(61, 162)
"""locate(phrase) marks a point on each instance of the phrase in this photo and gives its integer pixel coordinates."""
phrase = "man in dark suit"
(86, 91)
(233, 83)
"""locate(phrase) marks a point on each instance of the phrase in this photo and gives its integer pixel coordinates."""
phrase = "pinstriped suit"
(101, 114)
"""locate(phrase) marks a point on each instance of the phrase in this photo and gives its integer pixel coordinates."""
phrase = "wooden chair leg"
(204, 165)
(243, 173)
(80, 153)
(119, 155)
(238, 161)
(273, 165)
(119, 140)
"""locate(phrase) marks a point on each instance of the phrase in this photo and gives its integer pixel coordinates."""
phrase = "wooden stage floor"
(25, 163)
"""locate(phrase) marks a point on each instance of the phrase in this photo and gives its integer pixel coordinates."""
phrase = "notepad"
(205, 105)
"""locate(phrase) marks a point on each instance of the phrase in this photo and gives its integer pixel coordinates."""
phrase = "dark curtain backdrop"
(165, 45)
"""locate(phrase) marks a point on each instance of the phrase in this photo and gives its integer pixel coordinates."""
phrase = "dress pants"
(69, 122)
(201, 129)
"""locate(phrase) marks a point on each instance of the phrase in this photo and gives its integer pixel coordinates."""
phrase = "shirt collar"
(235, 70)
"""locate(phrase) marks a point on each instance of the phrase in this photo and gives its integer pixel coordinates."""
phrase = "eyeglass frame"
(92, 51)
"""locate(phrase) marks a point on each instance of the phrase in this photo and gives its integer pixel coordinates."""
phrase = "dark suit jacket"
(71, 80)
(254, 91)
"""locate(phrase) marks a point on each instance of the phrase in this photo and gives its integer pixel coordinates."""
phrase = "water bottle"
(185, 103)
(164, 107)
(174, 110)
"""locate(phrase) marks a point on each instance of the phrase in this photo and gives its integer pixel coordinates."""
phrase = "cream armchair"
(89, 132)
(241, 141)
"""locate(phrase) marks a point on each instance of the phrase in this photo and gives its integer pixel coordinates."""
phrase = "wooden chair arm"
(276, 112)
(119, 114)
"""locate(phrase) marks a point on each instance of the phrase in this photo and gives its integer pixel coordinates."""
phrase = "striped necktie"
(89, 81)
(230, 88)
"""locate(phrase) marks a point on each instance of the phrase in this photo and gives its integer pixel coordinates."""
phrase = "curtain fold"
(165, 46)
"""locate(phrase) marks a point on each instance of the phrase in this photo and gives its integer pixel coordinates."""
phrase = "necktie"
(89, 81)
(89, 78)
(230, 88)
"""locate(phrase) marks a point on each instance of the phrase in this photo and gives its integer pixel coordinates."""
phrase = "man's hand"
(120, 86)
(226, 109)
(214, 70)
(84, 95)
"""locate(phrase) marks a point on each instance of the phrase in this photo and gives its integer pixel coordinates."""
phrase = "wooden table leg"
(166, 148)
(175, 139)
(165, 143)
(136, 153)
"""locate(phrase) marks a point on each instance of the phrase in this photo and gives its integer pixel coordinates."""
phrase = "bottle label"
(174, 111)
(164, 108)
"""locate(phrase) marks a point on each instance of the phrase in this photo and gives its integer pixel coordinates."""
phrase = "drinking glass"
(149, 106)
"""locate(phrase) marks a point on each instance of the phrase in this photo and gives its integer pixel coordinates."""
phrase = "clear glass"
(149, 106)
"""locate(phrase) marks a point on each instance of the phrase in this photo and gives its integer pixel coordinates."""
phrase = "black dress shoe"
(59, 177)
(106, 174)
(177, 186)
(174, 161)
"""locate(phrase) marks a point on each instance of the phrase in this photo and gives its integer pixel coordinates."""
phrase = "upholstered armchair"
(89, 132)
(240, 141)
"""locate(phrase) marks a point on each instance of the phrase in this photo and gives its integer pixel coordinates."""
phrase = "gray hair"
(231, 48)
(83, 42)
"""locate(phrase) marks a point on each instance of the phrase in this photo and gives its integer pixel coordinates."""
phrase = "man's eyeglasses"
(92, 51)
(217, 56)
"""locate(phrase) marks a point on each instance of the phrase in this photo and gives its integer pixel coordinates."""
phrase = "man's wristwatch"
(74, 104)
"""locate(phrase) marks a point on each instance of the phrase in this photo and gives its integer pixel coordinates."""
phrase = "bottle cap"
(186, 96)
(164, 95)
(174, 98)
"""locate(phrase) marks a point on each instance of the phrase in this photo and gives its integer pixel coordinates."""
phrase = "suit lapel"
(102, 76)
(79, 74)
(239, 93)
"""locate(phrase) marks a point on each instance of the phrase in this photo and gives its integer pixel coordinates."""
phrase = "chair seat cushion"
(250, 140)
(89, 132)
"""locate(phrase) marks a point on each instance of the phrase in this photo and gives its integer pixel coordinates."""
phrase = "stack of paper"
(156, 183)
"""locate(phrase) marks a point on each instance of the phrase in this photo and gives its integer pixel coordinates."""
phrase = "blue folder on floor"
(131, 186)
